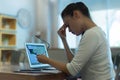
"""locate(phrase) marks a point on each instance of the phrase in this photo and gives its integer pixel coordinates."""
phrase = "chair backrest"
(118, 73)
(116, 61)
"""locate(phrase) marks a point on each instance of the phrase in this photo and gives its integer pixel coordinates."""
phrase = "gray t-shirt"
(93, 59)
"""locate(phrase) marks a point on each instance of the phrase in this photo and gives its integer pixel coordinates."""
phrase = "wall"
(47, 20)
(11, 7)
(42, 17)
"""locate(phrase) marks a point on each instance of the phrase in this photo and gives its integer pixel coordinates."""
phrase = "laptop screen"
(33, 49)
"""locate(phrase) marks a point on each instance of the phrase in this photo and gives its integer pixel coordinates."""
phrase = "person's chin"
(77, 34)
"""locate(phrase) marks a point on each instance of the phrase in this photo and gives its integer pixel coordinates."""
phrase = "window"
(109, 21)
(114, 30)
(106, 16)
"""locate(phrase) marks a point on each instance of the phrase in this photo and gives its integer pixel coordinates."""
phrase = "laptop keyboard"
(29, 70)
(35, 70)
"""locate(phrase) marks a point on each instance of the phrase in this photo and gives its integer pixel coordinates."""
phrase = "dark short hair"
(75, 6)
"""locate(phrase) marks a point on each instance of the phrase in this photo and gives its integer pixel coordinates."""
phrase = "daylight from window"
(114, 32)
(108, 20)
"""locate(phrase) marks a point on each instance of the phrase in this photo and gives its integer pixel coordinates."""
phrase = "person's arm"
(68, 50)
(58, 65)
(62, 34)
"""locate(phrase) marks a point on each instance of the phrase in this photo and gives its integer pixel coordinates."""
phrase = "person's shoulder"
(94, 29)
(93, 32)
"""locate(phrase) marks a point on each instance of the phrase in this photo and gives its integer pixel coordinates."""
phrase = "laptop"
(33, 49)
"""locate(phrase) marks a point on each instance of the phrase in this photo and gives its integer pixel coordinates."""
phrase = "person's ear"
(76, 14)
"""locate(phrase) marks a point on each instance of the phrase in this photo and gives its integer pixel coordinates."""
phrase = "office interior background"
(43, 17)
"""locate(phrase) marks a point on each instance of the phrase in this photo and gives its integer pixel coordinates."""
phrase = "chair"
(118, 73)
(116, 61)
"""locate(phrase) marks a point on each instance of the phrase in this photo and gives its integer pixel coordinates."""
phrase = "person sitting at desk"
(93, 57)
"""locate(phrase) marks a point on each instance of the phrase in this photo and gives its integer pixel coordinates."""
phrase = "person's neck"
(89, 24)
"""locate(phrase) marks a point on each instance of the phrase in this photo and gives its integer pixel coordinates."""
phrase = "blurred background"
(43, 17)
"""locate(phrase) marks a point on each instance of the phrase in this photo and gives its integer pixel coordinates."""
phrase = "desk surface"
(8, 74)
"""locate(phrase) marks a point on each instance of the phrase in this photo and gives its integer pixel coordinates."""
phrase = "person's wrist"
(50, 61)
(63, 39)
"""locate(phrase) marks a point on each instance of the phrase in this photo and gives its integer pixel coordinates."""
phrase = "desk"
(30, 76)
(10, 75)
